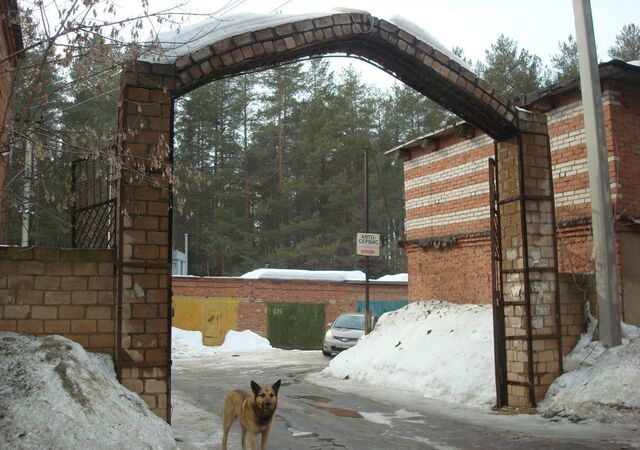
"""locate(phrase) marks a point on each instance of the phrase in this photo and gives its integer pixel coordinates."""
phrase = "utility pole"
(186, 254)
(601, 212)
(367, 312)
(26, 195)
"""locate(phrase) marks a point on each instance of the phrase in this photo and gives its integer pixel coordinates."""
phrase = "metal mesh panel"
(93, 216)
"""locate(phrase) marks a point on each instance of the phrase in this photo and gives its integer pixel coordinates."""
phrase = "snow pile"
(53, 394)
(398, 277)
(306, 275)
(189, 343)
(244, 341)
(599, 383)
(440, 349)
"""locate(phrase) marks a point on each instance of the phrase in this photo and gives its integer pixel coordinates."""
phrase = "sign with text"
(368, 244)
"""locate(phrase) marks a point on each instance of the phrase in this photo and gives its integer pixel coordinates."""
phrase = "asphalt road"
(312, 416)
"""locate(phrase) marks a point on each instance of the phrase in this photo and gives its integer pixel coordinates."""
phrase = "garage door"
(296, 325)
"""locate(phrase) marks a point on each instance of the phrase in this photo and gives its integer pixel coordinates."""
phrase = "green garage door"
(296, 325)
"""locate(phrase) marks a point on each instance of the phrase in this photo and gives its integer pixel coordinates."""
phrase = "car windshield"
(351, 322)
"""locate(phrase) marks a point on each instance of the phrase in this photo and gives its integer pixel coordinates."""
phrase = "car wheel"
(326, 353)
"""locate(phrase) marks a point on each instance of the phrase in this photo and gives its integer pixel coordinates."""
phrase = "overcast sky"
(537, 25)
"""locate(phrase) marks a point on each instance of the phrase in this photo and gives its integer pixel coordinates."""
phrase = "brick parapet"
(69, 292)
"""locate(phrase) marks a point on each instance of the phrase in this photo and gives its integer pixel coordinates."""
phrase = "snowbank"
(189, 343)
(445, 352)
(599, 383)
(53, 394)
(440, 349)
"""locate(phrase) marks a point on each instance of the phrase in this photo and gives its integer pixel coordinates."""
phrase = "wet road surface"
(313, 416)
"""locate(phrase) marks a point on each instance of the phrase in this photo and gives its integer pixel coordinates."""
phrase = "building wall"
(254, 294)
(69, 292)
(447, 194)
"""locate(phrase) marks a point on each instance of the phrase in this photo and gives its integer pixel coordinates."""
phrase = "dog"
(255, 413)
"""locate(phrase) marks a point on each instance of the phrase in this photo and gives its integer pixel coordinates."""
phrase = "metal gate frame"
(499, 342)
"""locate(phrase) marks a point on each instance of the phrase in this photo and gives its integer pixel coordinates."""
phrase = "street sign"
(368, 244)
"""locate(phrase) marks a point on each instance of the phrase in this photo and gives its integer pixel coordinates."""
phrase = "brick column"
(529, 270)
(144, 234)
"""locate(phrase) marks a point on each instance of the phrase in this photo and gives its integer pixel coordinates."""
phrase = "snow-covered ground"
(444, 351)
(53, 394)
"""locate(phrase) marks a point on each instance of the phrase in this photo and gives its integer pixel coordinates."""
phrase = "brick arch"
(145, 122)
(418, 64)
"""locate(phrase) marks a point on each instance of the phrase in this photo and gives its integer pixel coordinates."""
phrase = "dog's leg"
(244, 437)
(265, 437)
(252, 440)
(228, 417)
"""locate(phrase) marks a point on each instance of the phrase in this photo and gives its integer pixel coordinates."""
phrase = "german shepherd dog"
(255, 413)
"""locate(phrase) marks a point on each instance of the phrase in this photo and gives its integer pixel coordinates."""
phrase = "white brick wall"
(466, 215)
(446, 174)
(448, 152)
(560, 171)
(448, 196)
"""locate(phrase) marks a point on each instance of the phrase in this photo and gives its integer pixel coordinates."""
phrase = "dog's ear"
(255, 387)
(276, 386)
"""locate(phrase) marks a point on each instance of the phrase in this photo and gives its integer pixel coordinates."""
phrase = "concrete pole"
(26, 196)
(604, 251)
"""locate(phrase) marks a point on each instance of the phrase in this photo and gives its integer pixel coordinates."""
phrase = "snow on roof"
(427, 38)
(170, 45)
(307, 275)
(635, 62)
(398, 277)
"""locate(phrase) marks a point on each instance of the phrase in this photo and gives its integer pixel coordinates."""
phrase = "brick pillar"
(529, 271)
(144, 234)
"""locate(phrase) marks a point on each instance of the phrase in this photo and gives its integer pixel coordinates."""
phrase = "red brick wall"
(252, 311)
(59, 291)
(460, 273)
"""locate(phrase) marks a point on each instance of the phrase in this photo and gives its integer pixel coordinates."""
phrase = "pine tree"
(627, 45)
(565, 63)
(514, 71)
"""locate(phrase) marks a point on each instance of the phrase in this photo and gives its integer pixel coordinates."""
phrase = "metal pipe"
(186, 253)
(367, 312)
(604, 252)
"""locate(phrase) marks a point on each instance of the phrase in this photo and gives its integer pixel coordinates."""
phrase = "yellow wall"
(211, 316)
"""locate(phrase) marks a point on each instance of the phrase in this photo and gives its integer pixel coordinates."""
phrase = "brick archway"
(145, 118)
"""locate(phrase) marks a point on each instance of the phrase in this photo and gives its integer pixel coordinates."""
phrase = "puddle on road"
(331, 441)
(313, 398)
(340, 412)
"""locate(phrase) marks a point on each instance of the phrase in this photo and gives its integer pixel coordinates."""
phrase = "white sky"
(473, 25)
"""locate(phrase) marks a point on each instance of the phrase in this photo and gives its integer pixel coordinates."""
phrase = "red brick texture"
(69, 292)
